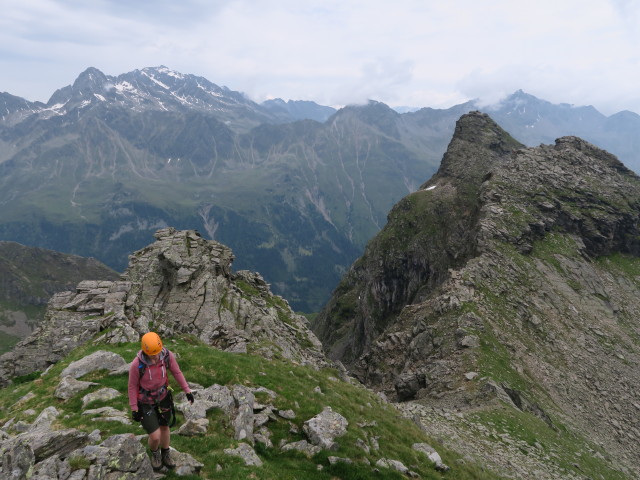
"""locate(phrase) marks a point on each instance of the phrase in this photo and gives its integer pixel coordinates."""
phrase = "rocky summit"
(181, 284)
(509, 280)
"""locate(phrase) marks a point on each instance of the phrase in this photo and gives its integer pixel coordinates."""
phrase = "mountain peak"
(157, 89)
(373, 113)
(476, 143)
(168, 74)
(521, 94)
(299, 109)
(91, 78)
(480, 129)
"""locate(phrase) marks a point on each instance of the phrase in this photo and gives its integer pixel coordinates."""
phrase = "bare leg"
(155, 438)
(165, 436)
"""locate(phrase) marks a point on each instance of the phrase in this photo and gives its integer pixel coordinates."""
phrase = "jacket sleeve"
(174, 368)
(134, 384)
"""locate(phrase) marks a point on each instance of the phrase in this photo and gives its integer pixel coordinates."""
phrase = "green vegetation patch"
(554, 244)
(495, 362)
(295, 386)
(626, 264)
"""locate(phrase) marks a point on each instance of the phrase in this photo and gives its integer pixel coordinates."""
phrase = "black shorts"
(157, 415)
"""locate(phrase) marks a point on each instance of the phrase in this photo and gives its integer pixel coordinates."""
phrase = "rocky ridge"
(509, 278)
(181, 284)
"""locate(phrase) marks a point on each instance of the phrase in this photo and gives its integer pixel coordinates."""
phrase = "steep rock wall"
(517, 282)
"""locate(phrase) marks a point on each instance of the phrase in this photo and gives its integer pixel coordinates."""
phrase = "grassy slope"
(569, 449)
(295, 388)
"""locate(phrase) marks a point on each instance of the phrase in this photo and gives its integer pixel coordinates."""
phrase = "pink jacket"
(153, 377)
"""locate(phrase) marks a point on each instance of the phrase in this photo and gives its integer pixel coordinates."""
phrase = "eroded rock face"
(511, 262)
(184, 285)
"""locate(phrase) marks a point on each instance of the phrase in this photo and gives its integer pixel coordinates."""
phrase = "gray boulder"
(246, 453)
(126, 453)
(45, 419)
(17, 459)
(52, 468)
(408, 384)
(104, 394)
(333, 460)
(46, 443)
(215, 396)
(109, 414)
(20, 453)
(324, 428)
(287, 414)
(119, 456)
(431, 453)
(396, 465)
(192, 428)
(100, 360)
(69, 386)
(243, 422)
(302, 446)
(185, 463)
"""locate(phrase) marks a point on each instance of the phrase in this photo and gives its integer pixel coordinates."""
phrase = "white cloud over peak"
(409, 52)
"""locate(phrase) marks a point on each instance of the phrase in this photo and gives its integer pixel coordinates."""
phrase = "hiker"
(150, 396)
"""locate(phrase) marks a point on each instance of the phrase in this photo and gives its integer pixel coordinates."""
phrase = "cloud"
(378, 78)
(411, 52)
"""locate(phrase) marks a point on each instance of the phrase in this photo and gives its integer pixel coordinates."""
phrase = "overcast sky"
(401, 52)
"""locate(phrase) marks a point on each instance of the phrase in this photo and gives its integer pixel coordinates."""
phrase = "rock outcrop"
(511, 277)
(181, 284)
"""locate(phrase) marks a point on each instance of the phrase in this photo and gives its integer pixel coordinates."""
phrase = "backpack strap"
(152, 395)
(167, 364)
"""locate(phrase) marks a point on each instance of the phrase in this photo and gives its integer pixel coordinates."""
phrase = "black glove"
(136, 415)
(190, 397)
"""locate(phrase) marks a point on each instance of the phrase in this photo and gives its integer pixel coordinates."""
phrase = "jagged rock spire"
(181, 284)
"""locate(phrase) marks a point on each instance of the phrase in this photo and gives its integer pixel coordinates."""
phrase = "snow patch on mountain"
(169, 72)
(124, 87)
(155, 80)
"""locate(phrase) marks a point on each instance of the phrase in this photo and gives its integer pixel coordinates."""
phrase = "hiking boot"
(166, 458)
(156, 459)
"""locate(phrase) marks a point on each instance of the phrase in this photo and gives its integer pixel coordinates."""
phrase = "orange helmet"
(151, 343)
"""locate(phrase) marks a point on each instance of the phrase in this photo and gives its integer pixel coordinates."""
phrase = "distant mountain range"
(296, 189)
(29, 277)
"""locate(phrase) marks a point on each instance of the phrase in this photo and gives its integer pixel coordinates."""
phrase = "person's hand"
(136, 415)
(190, 397)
